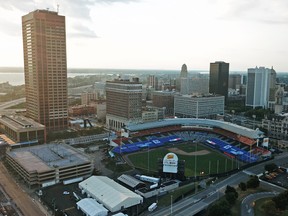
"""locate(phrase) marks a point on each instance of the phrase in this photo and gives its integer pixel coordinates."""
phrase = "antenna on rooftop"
(58, 8)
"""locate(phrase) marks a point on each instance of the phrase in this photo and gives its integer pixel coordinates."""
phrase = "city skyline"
(138, 34)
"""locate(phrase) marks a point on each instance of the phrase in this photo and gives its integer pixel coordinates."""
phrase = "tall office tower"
(152, 81)
(273, 87)
(234, 81)
(183, 74)
(258, 87)
(123, 103)
(218, 81)
(45, 67)
(184, 71)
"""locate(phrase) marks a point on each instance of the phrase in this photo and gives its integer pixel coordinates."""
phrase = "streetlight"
(171, 204)
(254, 116)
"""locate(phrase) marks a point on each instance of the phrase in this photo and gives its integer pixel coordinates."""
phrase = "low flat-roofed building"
(21, 129)
(131, 181)
(49, 164)
(112, 195)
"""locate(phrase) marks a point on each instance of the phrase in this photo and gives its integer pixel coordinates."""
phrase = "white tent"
(91, 208)
(112, 195)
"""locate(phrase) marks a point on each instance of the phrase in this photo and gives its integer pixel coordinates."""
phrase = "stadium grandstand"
(232, 140)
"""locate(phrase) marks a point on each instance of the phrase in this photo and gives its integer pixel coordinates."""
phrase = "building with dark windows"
(164, 99)
(45, 68)
(219, 78)
(235, 81)
(123, 103)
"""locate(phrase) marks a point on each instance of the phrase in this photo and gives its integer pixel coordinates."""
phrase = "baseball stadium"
(207, 146)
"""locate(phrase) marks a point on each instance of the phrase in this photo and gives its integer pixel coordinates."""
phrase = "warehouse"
(91, 207)
(112, 195)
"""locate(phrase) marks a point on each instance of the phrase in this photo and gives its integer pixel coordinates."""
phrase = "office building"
(276, 126)
(123, 103)
(45, 68)
(259, 85)
(183, 74)
(194, 85)
(152, 82)
(196, 106)
(235, 81)
(164, 99)
(21, 129)
(218, 78)
(184, 71)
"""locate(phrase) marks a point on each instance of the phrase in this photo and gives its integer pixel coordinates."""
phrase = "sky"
(158, 34)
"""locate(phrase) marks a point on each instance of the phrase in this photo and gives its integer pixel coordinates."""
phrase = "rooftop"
(43, 158)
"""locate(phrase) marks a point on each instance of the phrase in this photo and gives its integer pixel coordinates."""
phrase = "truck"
(152, 207)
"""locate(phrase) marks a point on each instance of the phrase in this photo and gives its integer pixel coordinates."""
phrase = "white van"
(152, 207)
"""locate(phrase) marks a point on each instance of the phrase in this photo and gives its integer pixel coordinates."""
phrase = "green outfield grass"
(215, 162)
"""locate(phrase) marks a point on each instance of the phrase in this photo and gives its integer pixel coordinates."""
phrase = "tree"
(253, 182)
(271, 167)
(269, 208)
(221, 208)
(242, 186)
(231, 194)
(281, 201)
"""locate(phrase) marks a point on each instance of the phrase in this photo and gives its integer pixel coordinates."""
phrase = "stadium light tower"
(148, 158)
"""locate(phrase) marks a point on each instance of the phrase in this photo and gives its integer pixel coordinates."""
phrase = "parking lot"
(60, 197)
(278, 178)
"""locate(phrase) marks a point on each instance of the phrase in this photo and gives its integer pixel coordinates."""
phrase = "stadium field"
(208, 161)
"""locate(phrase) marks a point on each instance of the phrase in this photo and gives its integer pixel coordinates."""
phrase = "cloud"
(264, 11)
(82, 31)
(74, 9)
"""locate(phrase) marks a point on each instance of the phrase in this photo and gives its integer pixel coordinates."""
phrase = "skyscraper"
(45, 68)
(234, 81)
(124, 103)
(184, 71)
(219, 77)
(259, 82)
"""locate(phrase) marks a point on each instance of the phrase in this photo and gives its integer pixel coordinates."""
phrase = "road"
(247, 205)
(24, 202)
(198, 202)
(8, 104)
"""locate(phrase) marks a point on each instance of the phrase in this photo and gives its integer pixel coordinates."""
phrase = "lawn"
(214, 162)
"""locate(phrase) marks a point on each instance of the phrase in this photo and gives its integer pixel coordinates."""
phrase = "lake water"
(15, 76)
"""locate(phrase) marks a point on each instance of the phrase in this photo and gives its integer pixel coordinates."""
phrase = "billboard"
(170, 163)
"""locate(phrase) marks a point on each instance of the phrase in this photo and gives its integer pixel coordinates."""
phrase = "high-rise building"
(184, 71)
(164, 99)
(123, 103)
(235, 81)
(218, 80)
(259, 85)
(45, 68)
(183, 74)
(152, 82)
